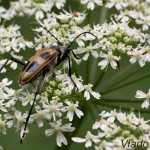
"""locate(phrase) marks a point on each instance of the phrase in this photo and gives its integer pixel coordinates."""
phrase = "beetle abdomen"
(43, 60)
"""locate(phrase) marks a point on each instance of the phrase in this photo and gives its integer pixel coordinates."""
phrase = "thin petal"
(103, 64)
(79, 113)
(49, 132)
(78, 140)
(61, 139)
(95, 54)
(88, 143)
(95, 94)
(140, 94)
(70, 115)
(86, 56)
(67, 128)
(87, 95)
(113, 64)
(132, 60)
(90, 5)
(145, 104)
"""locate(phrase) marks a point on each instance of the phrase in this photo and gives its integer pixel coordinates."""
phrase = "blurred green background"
(117, 87)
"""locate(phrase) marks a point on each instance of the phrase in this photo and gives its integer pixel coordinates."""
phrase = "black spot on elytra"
(33, 66)
(45, 55)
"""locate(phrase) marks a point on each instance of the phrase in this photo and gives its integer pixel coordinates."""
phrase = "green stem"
(117, 107)
(98, 81)
(75, 69)
(88, 62)
(126, 84)
(121, 76)
(104, 13)
(122, 101)
(92, 111)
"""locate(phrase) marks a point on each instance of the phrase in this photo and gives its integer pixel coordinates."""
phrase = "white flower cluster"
(114, 130)
(49, 107)
(13, 42)
(30, 7)
(6, 14)
(116, 38)
(113, 38)
(137, 10)
(70, 29)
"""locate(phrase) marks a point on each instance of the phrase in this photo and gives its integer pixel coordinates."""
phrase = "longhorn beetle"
(42, 62)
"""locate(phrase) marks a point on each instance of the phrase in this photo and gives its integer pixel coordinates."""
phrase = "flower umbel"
(103, 54)
(106, 131)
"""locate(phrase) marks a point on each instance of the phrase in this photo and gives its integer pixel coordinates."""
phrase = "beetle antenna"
(79, 36)
(48, 32)
(13, 59)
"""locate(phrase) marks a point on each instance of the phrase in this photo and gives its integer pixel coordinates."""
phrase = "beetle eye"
(45, 55)
(33, 66)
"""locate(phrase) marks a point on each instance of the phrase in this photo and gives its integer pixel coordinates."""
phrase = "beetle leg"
(38, 90)
(15, 60)
(75, 56)
(69, 74)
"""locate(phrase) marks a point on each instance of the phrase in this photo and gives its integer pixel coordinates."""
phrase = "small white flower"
(58, 3)
(27, 98)
(11, 44)
(75, 16)
(88, 50)
(15, 95)
(109, 59)
(39, 116)
(88, 91)
(58, 128)
(91, 3)
(72, 108)
(89, 138)
(140, 94)
(106, 145)
(67, 85)
(119, 4)
(144, 21)
(19, 121)
(137, 55)
(4, 83)
(6, 14)
(21, 7)
(52, 110)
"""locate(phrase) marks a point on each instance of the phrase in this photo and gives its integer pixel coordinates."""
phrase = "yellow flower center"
(109, 57)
